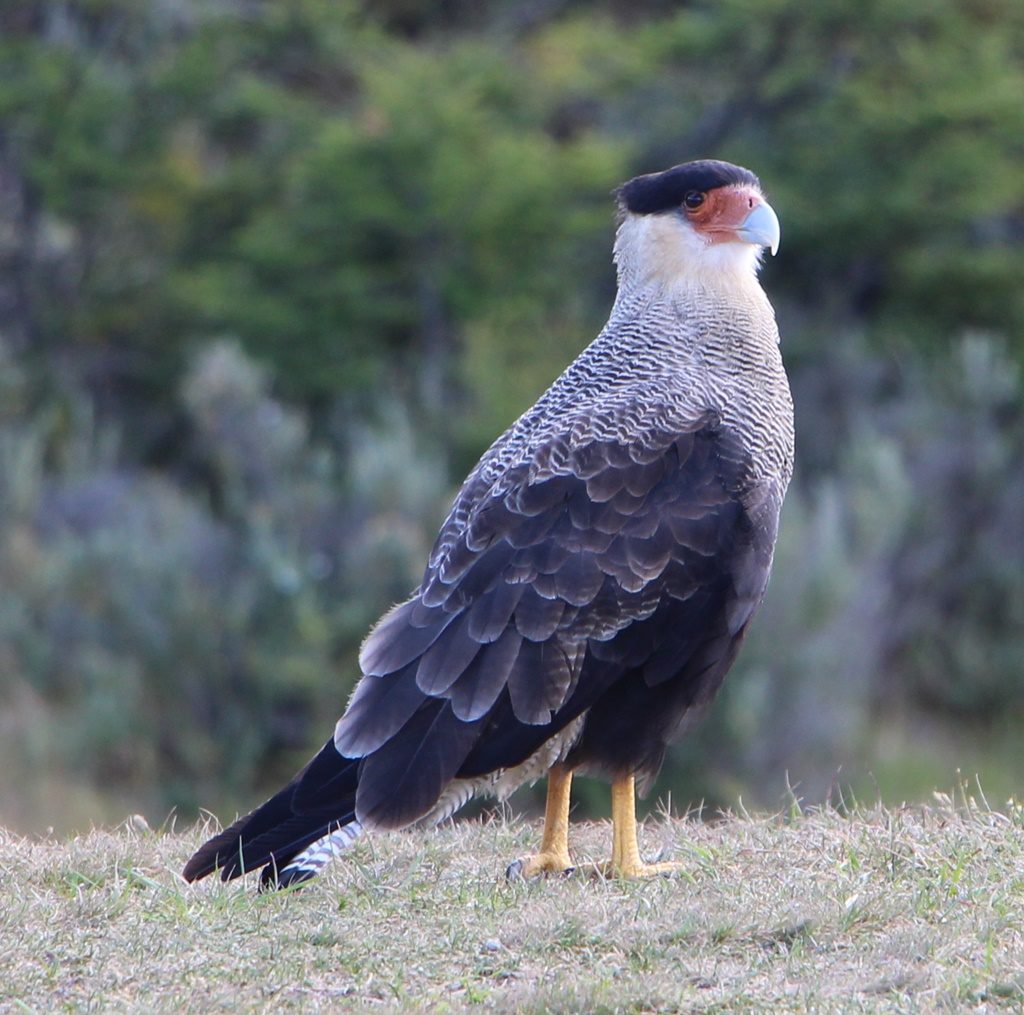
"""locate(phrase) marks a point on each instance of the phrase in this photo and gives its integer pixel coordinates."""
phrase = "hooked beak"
(761, 226)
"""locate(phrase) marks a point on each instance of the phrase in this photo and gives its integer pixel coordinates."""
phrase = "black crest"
(656, 192)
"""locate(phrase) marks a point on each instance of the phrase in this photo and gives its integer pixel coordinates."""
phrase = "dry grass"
(918, 909)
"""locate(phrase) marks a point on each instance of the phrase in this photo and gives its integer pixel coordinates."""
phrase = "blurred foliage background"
(273, 273)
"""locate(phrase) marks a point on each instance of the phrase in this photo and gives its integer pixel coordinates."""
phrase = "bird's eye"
(693, 200)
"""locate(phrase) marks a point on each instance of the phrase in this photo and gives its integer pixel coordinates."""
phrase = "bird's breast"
(721, 355)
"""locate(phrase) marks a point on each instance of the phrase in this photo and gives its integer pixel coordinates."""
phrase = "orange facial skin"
(722, 212)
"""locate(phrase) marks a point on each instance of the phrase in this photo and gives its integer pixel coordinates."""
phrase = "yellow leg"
(626, 862)
(553, 857)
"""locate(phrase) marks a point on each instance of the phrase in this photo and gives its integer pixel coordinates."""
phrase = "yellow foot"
(636, 869)
(539, 863)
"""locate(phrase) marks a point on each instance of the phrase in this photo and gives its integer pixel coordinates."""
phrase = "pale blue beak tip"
(761, 226)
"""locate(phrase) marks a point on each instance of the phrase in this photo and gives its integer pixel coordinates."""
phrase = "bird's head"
(704, 222)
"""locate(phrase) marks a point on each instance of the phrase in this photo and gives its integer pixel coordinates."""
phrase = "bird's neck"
(652, 254)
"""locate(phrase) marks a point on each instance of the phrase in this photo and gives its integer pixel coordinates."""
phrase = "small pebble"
(492, 944)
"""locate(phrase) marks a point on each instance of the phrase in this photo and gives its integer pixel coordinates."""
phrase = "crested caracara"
(597, 572)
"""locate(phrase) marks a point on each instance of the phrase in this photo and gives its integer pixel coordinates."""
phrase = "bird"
(596, 574)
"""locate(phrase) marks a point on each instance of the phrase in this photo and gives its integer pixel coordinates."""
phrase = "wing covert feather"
(568, 559)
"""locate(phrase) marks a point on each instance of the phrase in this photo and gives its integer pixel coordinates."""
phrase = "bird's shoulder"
(615, 428)
(621, 467)
(599, 401)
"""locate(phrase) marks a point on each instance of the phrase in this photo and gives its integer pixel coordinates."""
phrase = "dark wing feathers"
(603, 486)
(442, 664)
(641, 525)
(537, 618)
(378, 709)
(539, 680)
(490, 616)
(541, 594)
(224, 851)
(321, 797)
(402, 780)
(538, 497)
(639, 478)
(478, 688)
(396, 641)
(474, 575)
(579, 578)
(698, 534)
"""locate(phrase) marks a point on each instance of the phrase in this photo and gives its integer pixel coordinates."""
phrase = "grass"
(913, 909)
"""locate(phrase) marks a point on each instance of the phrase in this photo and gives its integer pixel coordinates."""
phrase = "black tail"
(319, 800)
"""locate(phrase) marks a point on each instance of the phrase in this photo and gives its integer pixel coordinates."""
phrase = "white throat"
(663, 252)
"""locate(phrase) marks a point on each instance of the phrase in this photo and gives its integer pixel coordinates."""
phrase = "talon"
(650, 870)
(529, 867)
(609, 871)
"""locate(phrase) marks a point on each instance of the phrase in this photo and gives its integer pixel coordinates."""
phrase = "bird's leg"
(626, 861)
(553, 857)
